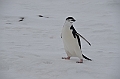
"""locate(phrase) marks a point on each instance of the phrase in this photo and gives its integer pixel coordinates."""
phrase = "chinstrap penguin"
(71, 41)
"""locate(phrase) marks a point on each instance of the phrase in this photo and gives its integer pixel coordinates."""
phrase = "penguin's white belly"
(70, 44)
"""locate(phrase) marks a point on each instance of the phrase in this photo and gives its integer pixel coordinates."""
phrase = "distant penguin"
(21, 19)
(71, 41)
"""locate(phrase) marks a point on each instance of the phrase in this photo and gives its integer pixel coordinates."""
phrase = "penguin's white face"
(70, 19)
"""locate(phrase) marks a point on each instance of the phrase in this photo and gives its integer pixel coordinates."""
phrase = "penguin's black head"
(70, 19)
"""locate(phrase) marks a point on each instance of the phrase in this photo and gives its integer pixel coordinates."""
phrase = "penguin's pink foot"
(67, 58)
(81, 61)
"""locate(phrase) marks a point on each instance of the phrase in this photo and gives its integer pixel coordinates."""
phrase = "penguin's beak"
(73, 20)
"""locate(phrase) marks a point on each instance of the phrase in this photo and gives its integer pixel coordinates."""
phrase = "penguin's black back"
(74, 32)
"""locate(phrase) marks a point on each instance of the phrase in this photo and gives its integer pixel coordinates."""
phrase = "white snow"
(32, 48)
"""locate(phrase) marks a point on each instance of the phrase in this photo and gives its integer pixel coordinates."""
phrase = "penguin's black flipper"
(86, 57)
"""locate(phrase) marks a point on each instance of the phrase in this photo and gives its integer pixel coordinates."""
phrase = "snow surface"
(32, 48)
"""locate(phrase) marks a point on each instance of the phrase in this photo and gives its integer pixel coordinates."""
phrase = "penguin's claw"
(81, 61)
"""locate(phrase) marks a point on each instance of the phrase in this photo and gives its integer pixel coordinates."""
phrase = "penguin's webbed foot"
(81, 61)
(67, 58)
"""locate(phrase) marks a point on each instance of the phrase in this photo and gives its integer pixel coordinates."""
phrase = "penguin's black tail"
(86, 57)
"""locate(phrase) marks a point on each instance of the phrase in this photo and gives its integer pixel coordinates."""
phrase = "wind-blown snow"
(32, 48)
